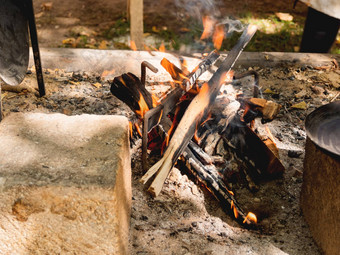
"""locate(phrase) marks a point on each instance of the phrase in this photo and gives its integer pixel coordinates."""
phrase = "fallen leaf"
(47, 6)
(302, 93)
(154, 29)
(39, 15)
(284, 16)
(75, 82)
(302, 105)
(3, 95)
(97, 85)
(268, 91)
(70, 41)
(184, 29)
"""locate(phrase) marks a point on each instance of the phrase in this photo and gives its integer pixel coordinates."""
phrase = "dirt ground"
(63, 19)
(185, 218)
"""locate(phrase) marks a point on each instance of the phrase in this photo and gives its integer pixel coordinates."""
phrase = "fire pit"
(185, 217)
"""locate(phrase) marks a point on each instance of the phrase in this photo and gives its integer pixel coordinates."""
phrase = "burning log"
(131, 91)
(206, 118)
(197, 109)
(208, 175)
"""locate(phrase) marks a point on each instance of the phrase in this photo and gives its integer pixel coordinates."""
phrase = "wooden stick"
(197, 109)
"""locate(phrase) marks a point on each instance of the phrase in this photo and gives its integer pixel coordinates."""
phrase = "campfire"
(197, 127)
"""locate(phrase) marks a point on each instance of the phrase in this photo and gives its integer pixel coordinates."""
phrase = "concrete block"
(65, 184)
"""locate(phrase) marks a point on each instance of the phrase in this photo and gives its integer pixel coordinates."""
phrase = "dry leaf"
(154, 29)
(70, 41)
(75, 82)
(284, 16)
(103, 45)
(302, 105)
(47, 6)
(268, 91)
(302, 93)
(97, 85)
(3, 95)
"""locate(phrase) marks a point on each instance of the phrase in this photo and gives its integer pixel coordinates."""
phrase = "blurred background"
(175, 25)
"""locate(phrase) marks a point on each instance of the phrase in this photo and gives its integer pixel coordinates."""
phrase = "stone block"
(65, 184)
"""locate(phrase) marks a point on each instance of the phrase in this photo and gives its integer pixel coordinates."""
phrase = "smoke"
(198, 9)
(232, 25)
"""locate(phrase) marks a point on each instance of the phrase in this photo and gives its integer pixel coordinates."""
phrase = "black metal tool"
(16, 17)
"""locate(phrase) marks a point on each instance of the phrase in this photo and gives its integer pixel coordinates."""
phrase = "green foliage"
(120, 27)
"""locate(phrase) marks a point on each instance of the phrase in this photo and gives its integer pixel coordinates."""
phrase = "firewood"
(131, 91)
(267, 109)
(209, 176)
(197, 109)
(249, 149)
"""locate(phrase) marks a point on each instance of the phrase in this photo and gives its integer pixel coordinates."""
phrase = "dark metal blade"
(14, 44)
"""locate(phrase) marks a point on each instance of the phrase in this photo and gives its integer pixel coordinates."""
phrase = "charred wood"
(198, 108)
(129, 89)
(211, 179)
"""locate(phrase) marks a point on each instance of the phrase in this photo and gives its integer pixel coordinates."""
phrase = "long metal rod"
(35, 47)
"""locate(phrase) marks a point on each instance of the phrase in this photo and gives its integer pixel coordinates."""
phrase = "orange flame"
(233, 207)
(208, 25)
(155, 100)
(130, 129)
(183, 76)
(133, 46)
(142, 106)
(218, 36)
(170, 68)
(138, 129)
(196, 137)
(162, 48)
(251, 217)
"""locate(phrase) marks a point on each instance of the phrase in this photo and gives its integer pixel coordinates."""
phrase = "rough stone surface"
(65, 184)
(320, 197)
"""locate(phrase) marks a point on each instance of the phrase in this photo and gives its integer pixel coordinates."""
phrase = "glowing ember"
(251, 217)
(133, 46)
(197, 138)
